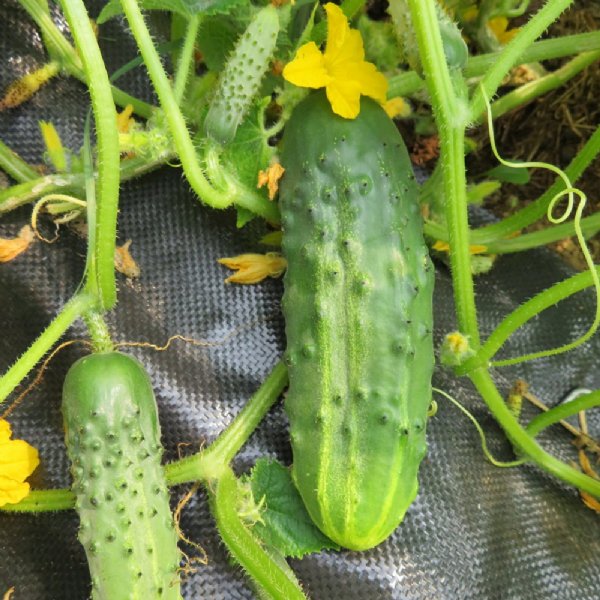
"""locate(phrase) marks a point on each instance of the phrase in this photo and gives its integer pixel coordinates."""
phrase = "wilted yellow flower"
(397, 107)
(11, 247)
(252, 268)
(124, 120)
(18, 460)
(341, 69)
(473, 249)
(25, 87)
(124, 262)
(498, 27)
(270, 177)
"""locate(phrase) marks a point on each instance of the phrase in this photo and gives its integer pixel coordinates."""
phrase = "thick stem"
(105, 116)
(99, 333)
(43, 501)
(276, 582)
(450, 115)
(70, 312)
(589, 226)
(227, 445)
(562, 411)
(524, 442)
(186, 58)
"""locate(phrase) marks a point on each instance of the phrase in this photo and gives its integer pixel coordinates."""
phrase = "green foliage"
(284, 523)
(185, 8)
(380, 41)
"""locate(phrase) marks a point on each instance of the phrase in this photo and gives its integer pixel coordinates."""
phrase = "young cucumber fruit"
(113, 441)
(358, 313)
(242, 75)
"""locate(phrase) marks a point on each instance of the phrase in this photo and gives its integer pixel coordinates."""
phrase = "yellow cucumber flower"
(18, 460)
(341, 69)
(252, 268)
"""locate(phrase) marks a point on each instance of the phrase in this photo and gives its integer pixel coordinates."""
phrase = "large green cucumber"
(113, 440)
(358, 313)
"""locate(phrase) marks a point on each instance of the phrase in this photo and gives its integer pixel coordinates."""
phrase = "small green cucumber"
(358, 314)
(242, 75)
(113, 440)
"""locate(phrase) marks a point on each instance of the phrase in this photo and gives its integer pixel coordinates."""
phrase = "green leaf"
(249, 151)
(506, 174)
(185, 8)
(243, 217)
(286, 525)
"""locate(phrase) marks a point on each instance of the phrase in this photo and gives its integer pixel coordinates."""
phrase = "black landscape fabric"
(474, 531)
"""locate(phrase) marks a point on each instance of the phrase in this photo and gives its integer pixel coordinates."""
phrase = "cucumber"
(113, 441)
(242, 75)
(358, 314)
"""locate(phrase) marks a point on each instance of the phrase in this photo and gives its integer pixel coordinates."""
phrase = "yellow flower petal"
(124, 120)
(308, 68)
(11, 247)
(12, 491)
(253, 268)
(344, 97)
(270, 177)
(371, 82)
(343, 44)
(18, 460)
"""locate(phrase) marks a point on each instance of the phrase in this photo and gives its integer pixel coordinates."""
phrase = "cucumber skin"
(358, 313)
(113, 440)
(242, 75)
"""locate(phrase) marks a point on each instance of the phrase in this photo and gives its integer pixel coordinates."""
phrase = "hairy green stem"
(99, 333)
(562, 411)
(277, 583)
(12, 164)
(513, 51)
(108, 159)
(450, 115)
(589, 226)
(43, 501)
(530, 91)
(523, 441)
(186, 58)
(19, 370)
(228, 444)
(525, 312)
